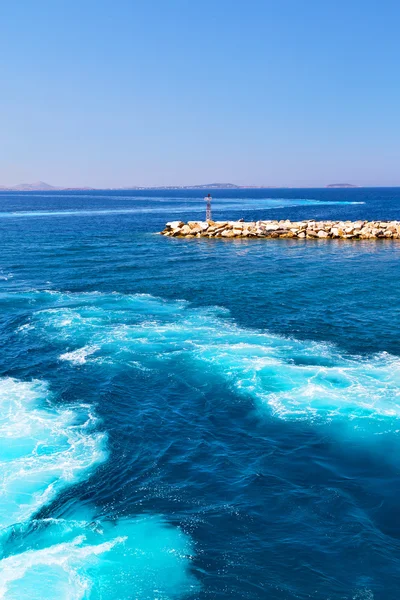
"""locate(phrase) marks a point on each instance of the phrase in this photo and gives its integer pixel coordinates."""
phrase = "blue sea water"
(194, 419)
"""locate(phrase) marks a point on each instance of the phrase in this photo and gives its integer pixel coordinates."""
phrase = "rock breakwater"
(310, 229)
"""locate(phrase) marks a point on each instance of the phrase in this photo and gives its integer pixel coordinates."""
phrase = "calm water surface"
(194, 419)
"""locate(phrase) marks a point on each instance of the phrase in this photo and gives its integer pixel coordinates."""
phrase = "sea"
(197, 419)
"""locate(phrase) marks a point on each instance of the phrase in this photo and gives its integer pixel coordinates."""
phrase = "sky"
(108, 93)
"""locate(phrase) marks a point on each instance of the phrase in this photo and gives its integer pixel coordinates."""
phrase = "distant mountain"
(38, 186)
(341, 185)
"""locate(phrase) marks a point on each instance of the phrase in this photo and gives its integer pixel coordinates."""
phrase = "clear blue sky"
(110, 93)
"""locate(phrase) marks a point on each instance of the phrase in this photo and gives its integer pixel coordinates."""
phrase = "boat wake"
(45, 448)
(294, 379)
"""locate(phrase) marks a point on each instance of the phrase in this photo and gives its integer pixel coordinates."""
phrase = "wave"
(294, 379)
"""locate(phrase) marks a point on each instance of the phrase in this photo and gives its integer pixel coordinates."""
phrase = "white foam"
(60, 559)
(43, 448)
(79, 356)
(5, 277)
(25, 327)
(75, 559)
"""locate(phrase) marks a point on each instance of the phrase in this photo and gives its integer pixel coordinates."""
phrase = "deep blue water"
(197, 418)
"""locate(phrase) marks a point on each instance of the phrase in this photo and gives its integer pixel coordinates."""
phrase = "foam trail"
(295, 379)
(237, 204)
(43, 449)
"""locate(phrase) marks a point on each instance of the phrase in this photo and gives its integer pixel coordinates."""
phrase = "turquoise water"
(197, 418)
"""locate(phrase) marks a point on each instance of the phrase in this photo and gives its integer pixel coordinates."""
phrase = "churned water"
(193, 419)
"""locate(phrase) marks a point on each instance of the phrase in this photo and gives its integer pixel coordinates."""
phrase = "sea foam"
(97, 560)
(44, 449)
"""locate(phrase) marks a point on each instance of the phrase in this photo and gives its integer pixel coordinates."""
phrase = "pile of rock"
(362, 230)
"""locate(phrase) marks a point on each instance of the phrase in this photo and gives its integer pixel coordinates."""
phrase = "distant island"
(341, 185)
(38, 186)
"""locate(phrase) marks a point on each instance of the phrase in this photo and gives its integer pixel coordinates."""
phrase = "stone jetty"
(309, 229)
